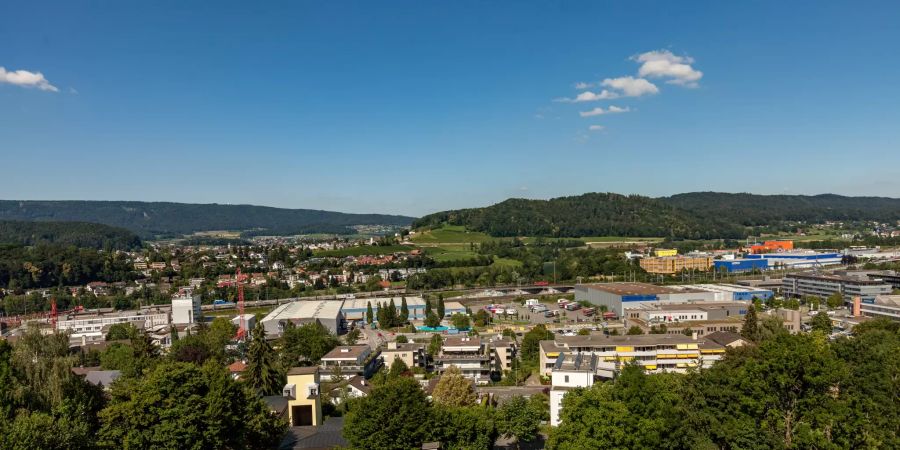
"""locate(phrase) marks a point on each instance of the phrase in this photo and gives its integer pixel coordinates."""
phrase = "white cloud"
(588, 96)
(596, 128)
(582, 85)
(631, 86)
(664, 64)
(25, 78)
(600, 111)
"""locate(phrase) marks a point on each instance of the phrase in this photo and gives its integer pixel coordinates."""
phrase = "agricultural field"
(449, 234)
(365, 250)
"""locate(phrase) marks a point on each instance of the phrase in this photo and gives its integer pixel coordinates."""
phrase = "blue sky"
(416, 107)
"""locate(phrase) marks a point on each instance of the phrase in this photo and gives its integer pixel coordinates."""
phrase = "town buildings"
(824, 285)
(347, 361)
(325, 312)
(654, 352)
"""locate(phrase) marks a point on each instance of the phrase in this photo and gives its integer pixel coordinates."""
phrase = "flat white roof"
(724, 288)
(354, 304)
(307, 309)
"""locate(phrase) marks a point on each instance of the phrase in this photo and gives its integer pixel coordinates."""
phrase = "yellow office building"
(675, 264)
(304, 399)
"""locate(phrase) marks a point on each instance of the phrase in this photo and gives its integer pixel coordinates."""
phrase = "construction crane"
(242, 329)
(53, 313)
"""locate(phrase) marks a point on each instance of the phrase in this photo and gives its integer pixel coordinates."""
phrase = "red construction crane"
(53, 313)
(242, 330)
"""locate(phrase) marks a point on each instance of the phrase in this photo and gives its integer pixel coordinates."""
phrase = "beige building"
(412, 354)
(656, 353)
(674, 264)
(304, 398)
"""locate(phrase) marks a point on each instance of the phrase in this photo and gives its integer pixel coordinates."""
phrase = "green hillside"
(699, 215)
(163, 218)
(79, 234)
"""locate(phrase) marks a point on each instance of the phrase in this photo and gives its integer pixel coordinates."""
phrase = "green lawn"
(449, 234)
(365, 250)
(507, 262)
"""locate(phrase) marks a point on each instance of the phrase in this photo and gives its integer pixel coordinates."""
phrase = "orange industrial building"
(772, 246)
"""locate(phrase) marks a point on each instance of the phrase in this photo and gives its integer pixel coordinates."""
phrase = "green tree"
(453, 389)
(219, 335)
(821, 322)
(634, 330)
(835, 300)
(370, 316)
(117, 356)
(434, 346)
(471, 427)
(482, 318)
(352, 336)
(460, 321)
(531, 342)
(750, 330)
(402, 339)
(520, 419)
(441, 312)
(306, 343)
(391, 317)
(152, 412)
(404, 311)
(120, 331)
(263, 372)
(432, 320)
(395, 415)
(398, 368)
(427, 305)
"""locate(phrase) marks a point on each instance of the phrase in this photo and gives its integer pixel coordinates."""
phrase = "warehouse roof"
(630, 288)
(306, 309)
(360, 304)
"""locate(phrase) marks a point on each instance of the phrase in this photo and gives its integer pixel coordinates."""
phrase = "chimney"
(856, 306)
(693, 335)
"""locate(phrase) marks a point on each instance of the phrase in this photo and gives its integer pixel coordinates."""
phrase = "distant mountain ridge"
(696, 215)
(148, 219)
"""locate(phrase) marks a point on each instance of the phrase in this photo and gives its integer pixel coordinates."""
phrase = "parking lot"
(523, 316)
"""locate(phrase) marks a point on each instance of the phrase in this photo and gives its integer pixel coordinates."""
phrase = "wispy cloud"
(25, 78)
(588, 96)
(582, 85)
(665, 64)
(598, 111)
(596, 128)
(631, 86)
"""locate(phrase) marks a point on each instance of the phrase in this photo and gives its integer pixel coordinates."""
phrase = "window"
(567, 378)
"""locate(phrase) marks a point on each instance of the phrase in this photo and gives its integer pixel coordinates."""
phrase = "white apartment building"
(571, 370)
(185, 308)
(94, 327)
(468, 354)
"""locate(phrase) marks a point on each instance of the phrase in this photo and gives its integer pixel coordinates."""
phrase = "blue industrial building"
(740, 265)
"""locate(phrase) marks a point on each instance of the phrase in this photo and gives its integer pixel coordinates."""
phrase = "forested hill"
(690, 216)
(79, 234)
(594, 214)
(761, 210)
(163, 218)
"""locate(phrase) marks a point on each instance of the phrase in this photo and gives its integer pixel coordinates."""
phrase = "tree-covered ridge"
(699, 215)
(79, 234)
(594, 214)
(761, 210)
(150, 218)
